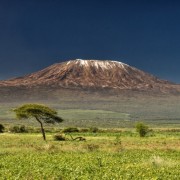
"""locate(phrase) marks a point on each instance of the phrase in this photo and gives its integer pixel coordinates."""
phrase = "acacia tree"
(40, 112)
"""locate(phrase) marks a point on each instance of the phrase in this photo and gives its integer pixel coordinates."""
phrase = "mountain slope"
(95, 85)
(93, 74)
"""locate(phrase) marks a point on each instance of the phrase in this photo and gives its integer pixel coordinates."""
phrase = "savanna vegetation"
(142, 129)
(100, 142)
(104, 154)
(117, 111)
(40, 113)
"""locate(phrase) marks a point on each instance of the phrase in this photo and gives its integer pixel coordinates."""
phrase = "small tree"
(1, 128)
(142, 129)
(40, 113)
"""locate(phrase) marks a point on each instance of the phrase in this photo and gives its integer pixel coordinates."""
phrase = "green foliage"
(39, 111)
(93, 129)
(1, 128)
(59, 137)
(84, 130)
(142, 129)
(70, 130)
(18, 129)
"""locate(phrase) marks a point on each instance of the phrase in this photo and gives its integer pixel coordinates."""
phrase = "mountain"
(89, 74)
(90, 93)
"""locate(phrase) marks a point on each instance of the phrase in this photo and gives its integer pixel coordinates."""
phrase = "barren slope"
(93, 74)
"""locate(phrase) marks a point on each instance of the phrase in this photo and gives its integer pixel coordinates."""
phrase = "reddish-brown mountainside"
(93, 74)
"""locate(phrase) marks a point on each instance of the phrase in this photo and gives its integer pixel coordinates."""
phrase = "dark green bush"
(1, 128)
(59, 137)
(84, 130)
(18, 129)
(70, 130)
(93, 129)
(22, 129)
(142, 129)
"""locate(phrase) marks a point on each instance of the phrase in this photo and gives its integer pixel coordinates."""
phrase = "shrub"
(1, 128)
(18, 129)
(117, 140)
(14, 129)
(84, 130)
(59, 137)
(142, 129)
(70, 130)
(22, 129)
(94, 129)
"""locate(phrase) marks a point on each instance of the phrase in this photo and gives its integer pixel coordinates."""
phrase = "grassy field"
(116, 152)
(123, 155)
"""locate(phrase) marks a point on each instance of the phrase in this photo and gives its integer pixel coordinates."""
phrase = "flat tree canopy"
(40, 113)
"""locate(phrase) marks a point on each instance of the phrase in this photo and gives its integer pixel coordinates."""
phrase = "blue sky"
(37, 33)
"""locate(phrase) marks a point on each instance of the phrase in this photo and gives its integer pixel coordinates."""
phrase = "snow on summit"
(100, 64)
(91, 74)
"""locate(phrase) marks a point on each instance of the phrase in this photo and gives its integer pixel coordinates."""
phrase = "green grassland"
(103, 156)
(105, 108)
(116, 152)
(107, 112)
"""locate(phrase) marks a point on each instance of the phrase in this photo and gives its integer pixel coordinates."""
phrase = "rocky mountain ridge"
(93, 74)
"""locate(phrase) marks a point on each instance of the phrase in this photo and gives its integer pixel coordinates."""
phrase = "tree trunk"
(42, 129)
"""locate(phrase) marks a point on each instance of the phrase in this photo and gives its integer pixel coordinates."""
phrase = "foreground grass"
(101, 156)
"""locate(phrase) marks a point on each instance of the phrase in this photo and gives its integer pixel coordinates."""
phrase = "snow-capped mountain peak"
(96, 74)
